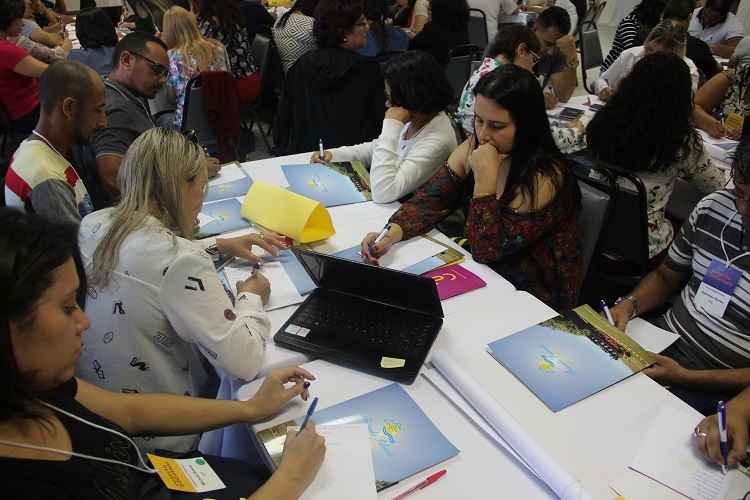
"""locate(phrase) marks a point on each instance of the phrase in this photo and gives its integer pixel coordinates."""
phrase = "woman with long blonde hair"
(190, 53)
(158, 310)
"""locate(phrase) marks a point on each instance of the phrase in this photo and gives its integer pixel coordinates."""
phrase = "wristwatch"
(636, 305)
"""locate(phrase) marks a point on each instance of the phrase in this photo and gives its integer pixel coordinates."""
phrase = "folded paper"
(277, 209)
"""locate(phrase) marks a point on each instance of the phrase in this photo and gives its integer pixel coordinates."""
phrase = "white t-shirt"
(399, 166)
(720, 33)
(494, 10)
(164, 319)
(623, 65)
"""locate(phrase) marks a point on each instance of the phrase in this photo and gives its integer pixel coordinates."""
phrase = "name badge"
(717, 288)
(193, 475)
(734, 122)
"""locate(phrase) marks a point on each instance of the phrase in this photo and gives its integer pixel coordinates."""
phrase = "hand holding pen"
(727, 448)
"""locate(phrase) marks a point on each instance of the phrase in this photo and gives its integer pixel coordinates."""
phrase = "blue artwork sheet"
(324, 184)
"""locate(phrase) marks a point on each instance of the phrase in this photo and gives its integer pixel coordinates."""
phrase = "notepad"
(347, 471)
(333, 184)
(650, 337)
(401, 255)
(668, 456)
(231, 182)
(283, 291)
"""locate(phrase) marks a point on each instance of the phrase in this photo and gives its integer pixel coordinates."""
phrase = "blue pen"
(721, 410)
(310, 411)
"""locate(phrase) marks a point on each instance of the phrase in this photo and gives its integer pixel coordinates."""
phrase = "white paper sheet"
(268, 173)
(347, 471)
(228, 173)
(283, 291)
(407, 253)
(544, 466)
(718, 149)
(204, 219)
(650, 337)
(668, 456)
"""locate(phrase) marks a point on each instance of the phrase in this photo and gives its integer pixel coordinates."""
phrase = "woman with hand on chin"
(61, 437)
(520, 199)
(158, 310)
(417, 135)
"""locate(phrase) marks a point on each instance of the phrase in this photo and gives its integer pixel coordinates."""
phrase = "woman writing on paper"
(57, 431)
(520, 199)
(417, 135)
(158, 310)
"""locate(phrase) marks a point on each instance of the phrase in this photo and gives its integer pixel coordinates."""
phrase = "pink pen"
(424, 484)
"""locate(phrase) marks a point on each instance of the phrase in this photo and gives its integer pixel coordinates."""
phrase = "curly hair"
(647, 125)
(741, 161)
(334, 19)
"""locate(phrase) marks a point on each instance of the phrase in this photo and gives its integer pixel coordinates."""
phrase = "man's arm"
(107, 168)
(565, 82)
(653, 291)
(48, 39)
(725, 49)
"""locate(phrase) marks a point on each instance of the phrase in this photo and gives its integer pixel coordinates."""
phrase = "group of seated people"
(104, 206)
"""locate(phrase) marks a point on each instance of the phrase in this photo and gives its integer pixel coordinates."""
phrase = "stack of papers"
(650, 337)
(283, 291)
(669, 457)
(347, 471)
(401, 255)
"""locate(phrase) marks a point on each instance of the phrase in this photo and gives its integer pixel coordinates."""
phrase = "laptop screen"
(396, 288)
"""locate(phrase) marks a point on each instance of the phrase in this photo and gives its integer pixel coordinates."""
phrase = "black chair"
(591, 55)
(264, 50)
(195, 117)
(477, 28)
(622, 258)
(458, 69)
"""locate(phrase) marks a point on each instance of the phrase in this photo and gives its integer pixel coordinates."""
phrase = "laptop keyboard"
(402, 333)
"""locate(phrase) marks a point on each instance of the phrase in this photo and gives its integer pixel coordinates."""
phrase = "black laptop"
(365, 317)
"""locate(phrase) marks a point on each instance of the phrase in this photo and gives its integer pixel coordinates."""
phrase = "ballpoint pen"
(322, 153)
(607, 313)
(309, 413)
(424, 484)
(721, 410)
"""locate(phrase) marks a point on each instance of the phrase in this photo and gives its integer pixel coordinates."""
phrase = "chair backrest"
(477, 28)
(625, 237)
(594, 212)
(591, 50)
(194, 116)
(261, 48)
(458, 69)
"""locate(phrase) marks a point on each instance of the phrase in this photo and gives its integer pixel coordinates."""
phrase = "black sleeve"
(700, 53)
(378, 103)
(282, 129)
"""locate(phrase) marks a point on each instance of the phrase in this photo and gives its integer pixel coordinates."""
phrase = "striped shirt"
(625, 37)
(718, 342)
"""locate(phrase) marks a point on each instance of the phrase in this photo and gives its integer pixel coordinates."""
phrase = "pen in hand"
(309, 413)
(607, 313)
(721, 411)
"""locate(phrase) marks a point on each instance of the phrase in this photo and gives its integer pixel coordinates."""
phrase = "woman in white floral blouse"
(647, 128)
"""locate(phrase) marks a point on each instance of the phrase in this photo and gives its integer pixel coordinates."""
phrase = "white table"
(595, 439)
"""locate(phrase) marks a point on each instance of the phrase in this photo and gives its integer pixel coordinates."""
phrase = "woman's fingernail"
(306, 385)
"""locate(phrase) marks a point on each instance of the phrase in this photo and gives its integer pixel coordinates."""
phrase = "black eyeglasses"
(158, 68)
(192, 136)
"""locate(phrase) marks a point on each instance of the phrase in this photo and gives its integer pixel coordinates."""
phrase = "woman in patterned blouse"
(219, 19)
(189, 54)
(727, 92)
(520, 199)
(647, 128)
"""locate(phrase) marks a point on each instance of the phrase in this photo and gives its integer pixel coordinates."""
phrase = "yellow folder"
(301, 218)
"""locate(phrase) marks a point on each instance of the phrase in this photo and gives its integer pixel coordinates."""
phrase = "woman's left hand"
(486, 163)
(273, 396)
(241, 246)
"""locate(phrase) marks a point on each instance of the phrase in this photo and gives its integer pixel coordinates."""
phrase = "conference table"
(595, 439)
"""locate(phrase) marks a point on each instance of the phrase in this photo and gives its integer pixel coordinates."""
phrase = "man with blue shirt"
(709, 261)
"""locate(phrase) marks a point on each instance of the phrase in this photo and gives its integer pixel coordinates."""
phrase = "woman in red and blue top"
(520, 199)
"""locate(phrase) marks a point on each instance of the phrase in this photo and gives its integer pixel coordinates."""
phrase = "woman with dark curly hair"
(635, 26)
(647, 128)
(417, 135)
(333, 93)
